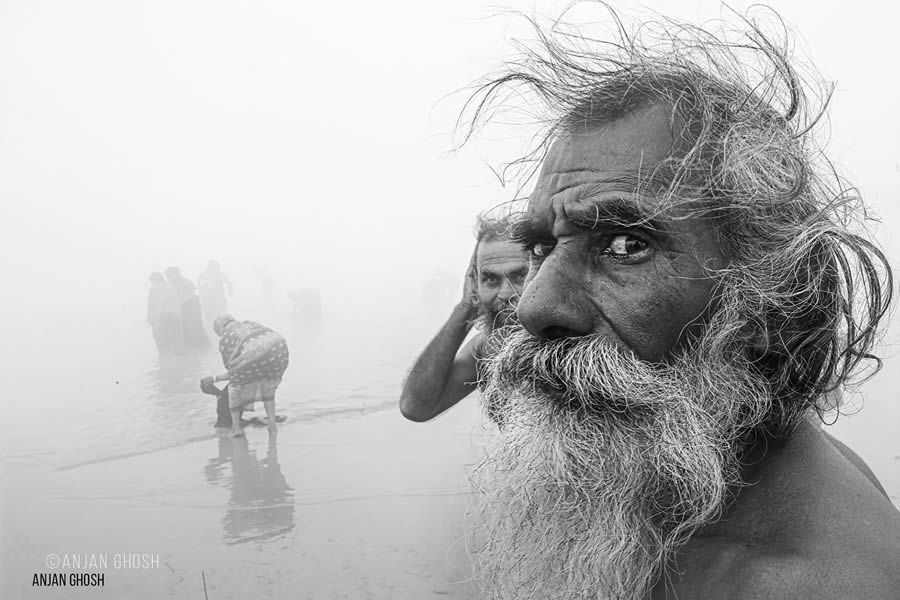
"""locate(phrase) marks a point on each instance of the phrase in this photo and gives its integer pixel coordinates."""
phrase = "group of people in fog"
(254, 356)
(175, 311)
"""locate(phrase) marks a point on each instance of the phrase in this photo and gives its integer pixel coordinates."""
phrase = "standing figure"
(255, 358)
(164, 315)
(215, 287)
(191, 313)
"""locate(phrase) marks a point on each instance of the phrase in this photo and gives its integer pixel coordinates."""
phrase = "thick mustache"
(499, 315)
(586, 372)
(503, 306)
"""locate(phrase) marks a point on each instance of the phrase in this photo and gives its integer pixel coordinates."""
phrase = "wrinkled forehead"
(632, 156)
(500, 255)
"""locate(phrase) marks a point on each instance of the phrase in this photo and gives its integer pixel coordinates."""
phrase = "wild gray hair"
(494, 224)
(803, 286)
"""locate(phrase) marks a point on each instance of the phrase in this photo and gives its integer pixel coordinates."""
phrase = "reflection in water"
(261, 507)
(178, 374)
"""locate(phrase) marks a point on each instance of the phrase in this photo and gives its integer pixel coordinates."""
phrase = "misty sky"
(309, 137)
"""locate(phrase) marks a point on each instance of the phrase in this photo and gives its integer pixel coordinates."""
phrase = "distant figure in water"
(191, 313)
(215, 287)
(255, 358)
(164, 315)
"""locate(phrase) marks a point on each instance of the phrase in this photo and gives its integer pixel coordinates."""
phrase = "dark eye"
(625, 245)
(540, 249)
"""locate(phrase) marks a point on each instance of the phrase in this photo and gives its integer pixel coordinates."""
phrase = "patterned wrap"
(253, 353)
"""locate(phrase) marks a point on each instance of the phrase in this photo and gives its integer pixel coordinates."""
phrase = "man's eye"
(540, 249)
(625, 245)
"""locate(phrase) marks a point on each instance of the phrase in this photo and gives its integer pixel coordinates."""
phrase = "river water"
(109, 449)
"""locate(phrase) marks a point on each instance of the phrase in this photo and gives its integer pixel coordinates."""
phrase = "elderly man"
(696, 298)
(441, 376)
(255, 358)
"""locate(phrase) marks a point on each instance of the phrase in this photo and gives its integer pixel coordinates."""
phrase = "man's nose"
(553, 305)
(508, 292)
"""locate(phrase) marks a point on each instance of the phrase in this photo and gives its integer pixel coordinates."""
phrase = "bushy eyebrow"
(617, 212)
(597, 214)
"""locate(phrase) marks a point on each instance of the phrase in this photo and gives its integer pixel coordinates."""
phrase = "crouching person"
(255, 358)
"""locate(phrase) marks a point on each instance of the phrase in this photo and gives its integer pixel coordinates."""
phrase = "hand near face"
(470, 285)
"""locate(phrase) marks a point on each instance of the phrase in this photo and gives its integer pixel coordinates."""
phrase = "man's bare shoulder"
(797, 577)
(854, 458)
(811, 524)
(746, 571)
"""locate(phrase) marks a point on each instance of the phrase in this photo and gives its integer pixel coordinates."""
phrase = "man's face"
(622, 430)
(500, 269)
(594, 270)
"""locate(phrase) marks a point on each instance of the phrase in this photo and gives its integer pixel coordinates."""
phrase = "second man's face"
(501, 268)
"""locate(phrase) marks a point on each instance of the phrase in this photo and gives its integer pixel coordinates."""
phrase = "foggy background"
(310, 139)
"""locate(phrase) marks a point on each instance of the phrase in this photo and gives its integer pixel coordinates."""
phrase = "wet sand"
(364, 507)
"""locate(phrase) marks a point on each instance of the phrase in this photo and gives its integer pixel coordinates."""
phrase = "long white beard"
(605, 465)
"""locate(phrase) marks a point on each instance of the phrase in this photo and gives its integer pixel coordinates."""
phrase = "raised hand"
(470, 284)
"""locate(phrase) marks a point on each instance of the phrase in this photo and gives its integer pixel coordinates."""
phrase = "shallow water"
(110, 449)
(102, 391)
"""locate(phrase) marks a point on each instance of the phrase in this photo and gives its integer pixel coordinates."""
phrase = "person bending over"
(255, 358)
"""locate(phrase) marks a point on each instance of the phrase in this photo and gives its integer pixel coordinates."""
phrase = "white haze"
(310, 138)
